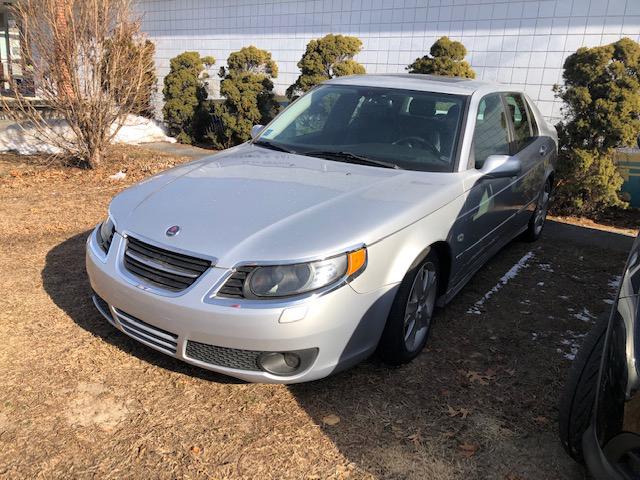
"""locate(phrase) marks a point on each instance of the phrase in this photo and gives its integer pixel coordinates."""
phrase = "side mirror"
(255, 130)
(501, 166)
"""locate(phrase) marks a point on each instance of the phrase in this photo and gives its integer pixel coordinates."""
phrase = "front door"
(490, 201)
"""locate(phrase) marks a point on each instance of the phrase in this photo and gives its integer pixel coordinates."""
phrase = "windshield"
(379, 126)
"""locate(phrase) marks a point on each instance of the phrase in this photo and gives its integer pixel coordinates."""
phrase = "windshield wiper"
(272, 146)
(349, 157)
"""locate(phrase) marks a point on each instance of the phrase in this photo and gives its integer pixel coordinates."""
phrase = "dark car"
(600, 407)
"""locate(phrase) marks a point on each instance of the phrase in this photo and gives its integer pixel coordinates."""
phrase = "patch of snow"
(563, 297)
(511, 274)
(614, 282)
(541, 284)
(571, 344)
(118, 176)
(23, 140)
(545, 267)
(136, 130)
(585, 315)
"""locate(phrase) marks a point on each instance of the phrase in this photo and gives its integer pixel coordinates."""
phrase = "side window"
(520, 119)
(491, 135)
(534, 126)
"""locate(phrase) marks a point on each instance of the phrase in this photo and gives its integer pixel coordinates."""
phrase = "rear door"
(532, 151)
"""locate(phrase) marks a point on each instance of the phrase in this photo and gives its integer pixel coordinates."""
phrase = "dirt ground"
(79, 399)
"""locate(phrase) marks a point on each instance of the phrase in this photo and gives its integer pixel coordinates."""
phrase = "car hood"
(253, 204)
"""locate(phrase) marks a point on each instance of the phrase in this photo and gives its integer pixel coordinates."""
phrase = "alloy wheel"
(420, 306)
(541, 210)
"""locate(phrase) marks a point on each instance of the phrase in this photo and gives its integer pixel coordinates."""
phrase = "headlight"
(105, 234)
(287, 280)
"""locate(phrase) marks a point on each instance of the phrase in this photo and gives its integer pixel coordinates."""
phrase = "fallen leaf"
(416, 439)
(476, 377)
(541, 420)
(468, 449)
(331, 419)
(195, 450)
(454, 412)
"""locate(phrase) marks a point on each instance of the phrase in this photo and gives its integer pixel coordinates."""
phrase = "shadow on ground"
(479, 402)
(64, 278)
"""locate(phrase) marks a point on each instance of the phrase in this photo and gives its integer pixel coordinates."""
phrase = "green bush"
(248, 96)
(447, 59)
(325, 58)
(184, 90)
(601, 95)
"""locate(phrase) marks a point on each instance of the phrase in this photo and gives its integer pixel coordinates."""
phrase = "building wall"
(523, 43)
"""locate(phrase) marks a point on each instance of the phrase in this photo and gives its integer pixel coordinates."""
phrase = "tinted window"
(520, 120)
(491, 135)
(413, 130)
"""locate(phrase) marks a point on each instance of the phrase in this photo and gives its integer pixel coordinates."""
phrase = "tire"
(579, 394)
(398, 345)
(539, 216)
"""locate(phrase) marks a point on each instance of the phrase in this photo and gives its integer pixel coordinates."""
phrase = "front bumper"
(343, 325)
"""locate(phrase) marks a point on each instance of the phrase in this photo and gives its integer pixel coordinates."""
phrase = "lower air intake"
(223, 356)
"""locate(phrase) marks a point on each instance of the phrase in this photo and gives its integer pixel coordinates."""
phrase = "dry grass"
(79, 399)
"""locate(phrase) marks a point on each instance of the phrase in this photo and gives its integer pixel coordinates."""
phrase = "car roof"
(427, 83)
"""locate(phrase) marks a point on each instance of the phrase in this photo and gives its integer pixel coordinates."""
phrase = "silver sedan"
(334, 233)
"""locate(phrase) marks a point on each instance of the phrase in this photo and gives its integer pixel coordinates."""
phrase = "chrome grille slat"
(148, 338)
(147, 333)
(144, 326)
(233, 287)
(166, 256)
(158, 265)
(165, 269)
(164, 281)
(107, 243)
(103, 308)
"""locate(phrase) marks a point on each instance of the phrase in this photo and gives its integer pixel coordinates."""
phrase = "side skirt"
(490, 253)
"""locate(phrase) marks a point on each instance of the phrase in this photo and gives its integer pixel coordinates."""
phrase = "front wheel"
(536, 223)
(411, 316)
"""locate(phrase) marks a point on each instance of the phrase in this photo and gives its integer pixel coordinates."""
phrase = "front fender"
(390, 258)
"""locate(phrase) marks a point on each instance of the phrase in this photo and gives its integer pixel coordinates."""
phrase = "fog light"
(279, 363)
(287, 363)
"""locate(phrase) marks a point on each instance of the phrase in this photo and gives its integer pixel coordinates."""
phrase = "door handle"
(543, 150)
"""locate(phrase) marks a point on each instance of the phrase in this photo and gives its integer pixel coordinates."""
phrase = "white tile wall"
(519, 42)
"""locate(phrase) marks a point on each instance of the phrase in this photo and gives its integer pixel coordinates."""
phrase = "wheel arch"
(443, 251)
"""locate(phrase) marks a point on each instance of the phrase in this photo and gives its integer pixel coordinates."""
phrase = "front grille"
(163, 268)
(144, 332)
(223, 356)
(234, 286)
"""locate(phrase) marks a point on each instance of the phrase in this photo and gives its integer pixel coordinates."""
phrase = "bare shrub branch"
(91, 67)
